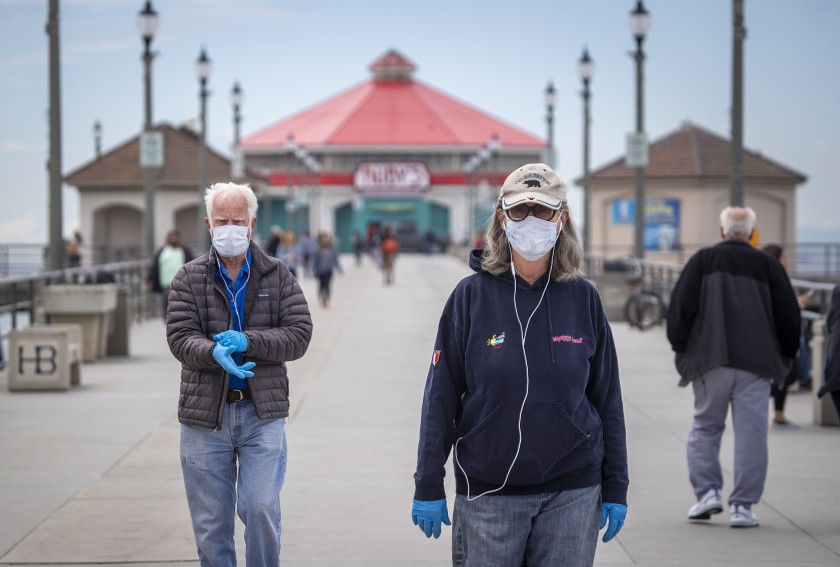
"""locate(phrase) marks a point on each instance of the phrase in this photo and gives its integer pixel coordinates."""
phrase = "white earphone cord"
(243, 286)
(523, 334)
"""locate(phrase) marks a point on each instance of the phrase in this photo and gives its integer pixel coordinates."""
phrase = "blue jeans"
(803, 361)
(217, 488)
(538, 530)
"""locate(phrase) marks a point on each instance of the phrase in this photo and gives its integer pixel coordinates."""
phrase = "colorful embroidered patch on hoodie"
(496, 341)
(435, 358)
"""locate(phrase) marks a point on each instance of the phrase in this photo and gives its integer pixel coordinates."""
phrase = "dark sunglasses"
(521, 212)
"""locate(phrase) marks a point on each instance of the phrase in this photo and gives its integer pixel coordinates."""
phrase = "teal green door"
(440, 220)
(344, 227)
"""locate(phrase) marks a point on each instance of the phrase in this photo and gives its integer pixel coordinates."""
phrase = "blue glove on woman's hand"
(429, 514)
(235, 339)
(616, 513)
(222, 355)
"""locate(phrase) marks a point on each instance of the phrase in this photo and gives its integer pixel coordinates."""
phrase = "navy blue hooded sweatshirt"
(573, 433)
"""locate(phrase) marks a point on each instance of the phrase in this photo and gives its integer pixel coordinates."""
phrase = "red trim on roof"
(331, 178)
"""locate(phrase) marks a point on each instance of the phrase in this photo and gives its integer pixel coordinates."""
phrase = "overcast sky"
(495, 55)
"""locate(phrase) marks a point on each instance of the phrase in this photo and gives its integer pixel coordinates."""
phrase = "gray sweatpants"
(713, 393)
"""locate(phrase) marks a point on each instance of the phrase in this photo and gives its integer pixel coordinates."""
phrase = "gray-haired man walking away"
(734, 325)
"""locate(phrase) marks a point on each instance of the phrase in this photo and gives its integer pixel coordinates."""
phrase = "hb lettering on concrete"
(45, 357)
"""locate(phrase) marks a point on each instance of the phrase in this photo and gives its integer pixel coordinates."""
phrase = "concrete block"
(119, 324)
(75, 298)
(45, 357)
(90, 306)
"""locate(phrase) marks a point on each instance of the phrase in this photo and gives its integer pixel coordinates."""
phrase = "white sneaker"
(709, 504)
(740, 516)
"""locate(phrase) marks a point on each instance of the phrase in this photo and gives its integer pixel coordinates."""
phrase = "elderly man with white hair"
(734, 324)
(236, 316)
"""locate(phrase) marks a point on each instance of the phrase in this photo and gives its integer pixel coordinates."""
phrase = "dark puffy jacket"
(277, 323)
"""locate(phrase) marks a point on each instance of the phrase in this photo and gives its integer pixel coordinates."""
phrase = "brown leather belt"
(238, 395)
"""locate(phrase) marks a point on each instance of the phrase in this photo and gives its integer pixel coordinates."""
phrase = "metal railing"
(20, 296)
(30, 259)
(809, 260)
(662, 276)
(814, 259)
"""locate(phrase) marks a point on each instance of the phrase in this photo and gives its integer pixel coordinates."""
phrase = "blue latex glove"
(235, 339)
(616, 513)
(429, 514)
(222, 355)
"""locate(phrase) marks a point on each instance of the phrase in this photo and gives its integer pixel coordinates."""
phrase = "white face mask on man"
(230, 240)
(531, 237)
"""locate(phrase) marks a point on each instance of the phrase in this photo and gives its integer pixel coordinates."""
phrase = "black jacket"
(733, 306)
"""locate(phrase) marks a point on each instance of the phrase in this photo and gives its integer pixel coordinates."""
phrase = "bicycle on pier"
(644, 307)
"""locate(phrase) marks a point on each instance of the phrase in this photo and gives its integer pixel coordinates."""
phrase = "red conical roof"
(392, 109)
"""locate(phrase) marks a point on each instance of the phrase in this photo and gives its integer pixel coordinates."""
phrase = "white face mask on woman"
(531, 237)
(230, 240)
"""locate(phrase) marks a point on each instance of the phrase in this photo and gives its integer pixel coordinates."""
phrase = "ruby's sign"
(391, 177)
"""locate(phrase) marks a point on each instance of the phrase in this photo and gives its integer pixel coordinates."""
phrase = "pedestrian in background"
(831, 372)
(734, 325)
(430, 241)
(324, 263)
(358, 247)
(236, 317)
(73, 250)
(307, 247)
(166, 262)
(390, 247)
(523, 387)
(779, 391)
(273, 241)
(374, 242)
(289, 251)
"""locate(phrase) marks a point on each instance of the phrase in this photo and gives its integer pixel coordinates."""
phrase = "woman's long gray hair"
(568, 250)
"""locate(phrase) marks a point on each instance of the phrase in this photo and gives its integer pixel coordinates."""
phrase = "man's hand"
(235, 339)
(222, 355)
(804, 298)
(616, 514)
(428, 514)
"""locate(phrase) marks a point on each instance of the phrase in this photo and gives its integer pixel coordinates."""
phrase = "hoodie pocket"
(553, 445)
